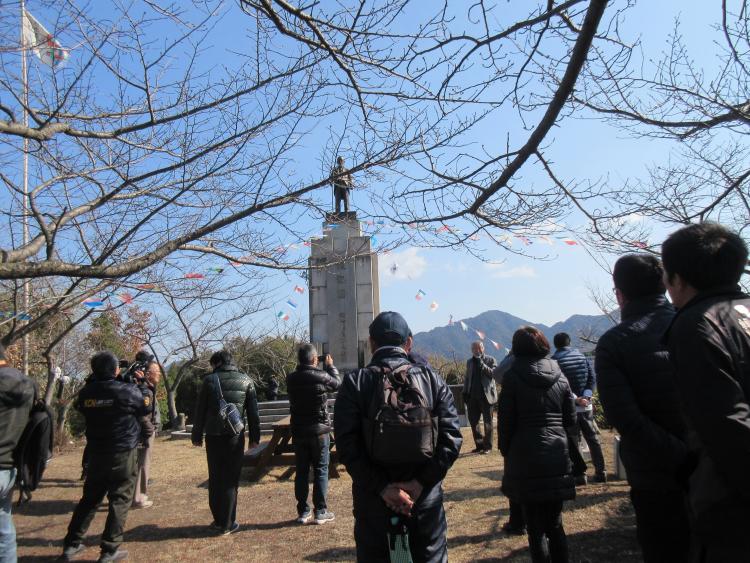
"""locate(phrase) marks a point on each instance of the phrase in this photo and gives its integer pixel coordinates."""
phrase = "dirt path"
(600, 523)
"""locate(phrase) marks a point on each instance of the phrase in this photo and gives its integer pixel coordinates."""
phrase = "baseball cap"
(389, 327)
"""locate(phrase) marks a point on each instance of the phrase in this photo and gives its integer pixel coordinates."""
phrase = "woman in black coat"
(535, 408)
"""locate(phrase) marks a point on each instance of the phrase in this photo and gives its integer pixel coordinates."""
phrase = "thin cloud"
(405, 265)
(500, 271)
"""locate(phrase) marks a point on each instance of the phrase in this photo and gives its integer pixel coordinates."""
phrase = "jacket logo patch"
(98, 403)
(147, 401)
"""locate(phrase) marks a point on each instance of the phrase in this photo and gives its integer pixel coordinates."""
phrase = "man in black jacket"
(112, 410)
(382, 491)
(16, 398)
(639, 394)
(709, 345)
(308, 389)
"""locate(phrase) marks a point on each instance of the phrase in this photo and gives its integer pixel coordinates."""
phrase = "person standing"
(224, 449)
(149, 427)
(396, 484)
(17, 394)
(308, 388)
(480, 396)
(535, 416)
(112, 409)
(638, 391)
(709, 346)
(580, 375)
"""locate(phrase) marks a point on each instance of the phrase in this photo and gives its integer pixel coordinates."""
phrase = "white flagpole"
(25, 98)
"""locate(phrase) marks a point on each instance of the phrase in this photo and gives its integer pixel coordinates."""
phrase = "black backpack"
(33, 450)
(400, 428)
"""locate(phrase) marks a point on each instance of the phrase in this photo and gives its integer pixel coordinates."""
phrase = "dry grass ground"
(599, 523)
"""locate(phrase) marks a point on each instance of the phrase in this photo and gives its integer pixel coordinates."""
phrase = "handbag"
(229, 413)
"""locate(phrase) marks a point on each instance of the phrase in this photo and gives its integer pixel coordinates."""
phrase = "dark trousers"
(224, 454)
(588, 429)
(547, 541)
(662, 525)
(515, 515)
(477, 408)
(315, 451)
(737, 551)
(427, 534)
(114, 475)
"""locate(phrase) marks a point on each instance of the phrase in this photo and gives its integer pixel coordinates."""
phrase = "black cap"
(389, 328)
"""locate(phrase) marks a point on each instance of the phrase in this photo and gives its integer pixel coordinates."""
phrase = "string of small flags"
(481, 335)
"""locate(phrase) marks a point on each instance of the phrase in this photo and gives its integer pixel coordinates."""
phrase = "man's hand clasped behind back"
(401, 497)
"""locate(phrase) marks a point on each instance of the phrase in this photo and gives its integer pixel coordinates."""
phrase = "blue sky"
(543, 290)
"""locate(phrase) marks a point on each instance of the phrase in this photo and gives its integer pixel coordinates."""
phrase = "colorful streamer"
(420, 294)
(434, 306)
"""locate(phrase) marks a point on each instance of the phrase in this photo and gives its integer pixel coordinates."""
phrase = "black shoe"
(232, 529)
(477, 450)
(600, 478)
(70, 551)
(107, 557)
(512, 530)
(581, 480)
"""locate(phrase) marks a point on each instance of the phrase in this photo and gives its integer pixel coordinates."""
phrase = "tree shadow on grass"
(333, 554)
(44, 507)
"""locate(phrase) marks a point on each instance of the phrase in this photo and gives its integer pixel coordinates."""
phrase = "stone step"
(283, 412)
(272, 417)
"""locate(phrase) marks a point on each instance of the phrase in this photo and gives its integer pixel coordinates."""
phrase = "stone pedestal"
(344, 291)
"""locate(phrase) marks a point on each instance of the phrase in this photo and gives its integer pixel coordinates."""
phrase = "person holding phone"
(308, 387)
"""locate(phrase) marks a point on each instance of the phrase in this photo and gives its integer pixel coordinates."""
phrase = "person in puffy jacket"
(112, 409)
(224, 449)
(308, 388)
(709, 345)
(536, 415)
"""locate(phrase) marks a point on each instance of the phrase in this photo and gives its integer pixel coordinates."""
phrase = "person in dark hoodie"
(638, 391)
(709, 345)
(112, 409)
(536, 414)
(411, 492)
(308, 388)
(16, 398)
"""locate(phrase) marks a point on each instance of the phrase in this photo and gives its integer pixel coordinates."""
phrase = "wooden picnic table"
(278, 451)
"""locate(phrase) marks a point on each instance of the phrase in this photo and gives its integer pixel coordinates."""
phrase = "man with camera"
(308, 387)
(146, 372)
(112, 409)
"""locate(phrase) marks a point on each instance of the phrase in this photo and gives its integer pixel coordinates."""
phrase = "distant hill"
(500, 326)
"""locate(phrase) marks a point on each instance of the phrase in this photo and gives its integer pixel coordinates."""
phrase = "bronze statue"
(342, 184)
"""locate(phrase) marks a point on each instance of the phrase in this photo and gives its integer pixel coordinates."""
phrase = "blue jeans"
(7, 530)
(315, 451)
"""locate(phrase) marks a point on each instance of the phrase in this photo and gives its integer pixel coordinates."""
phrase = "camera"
(322, 359)
(142, 360)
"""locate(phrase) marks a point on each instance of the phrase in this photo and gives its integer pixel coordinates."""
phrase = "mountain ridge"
(453, 341)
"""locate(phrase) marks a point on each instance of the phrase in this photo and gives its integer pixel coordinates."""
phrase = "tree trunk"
(50, 379)
(171, 405)
(61, 434)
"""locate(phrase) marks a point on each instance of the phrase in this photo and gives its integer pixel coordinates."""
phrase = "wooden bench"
(279, 451)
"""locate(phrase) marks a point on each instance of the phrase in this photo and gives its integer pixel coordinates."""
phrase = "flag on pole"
(216, 270)
(570, 242)
(194, 276)
(125, 298)
(495, 344)
(39, 40)
(480, 334)
(463, 325)
(299, 289)
(282, 315)
(92, 303)
(291, 304)
(420, 294)
(434, 306)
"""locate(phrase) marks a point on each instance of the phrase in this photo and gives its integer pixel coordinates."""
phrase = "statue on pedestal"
(342, 184)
